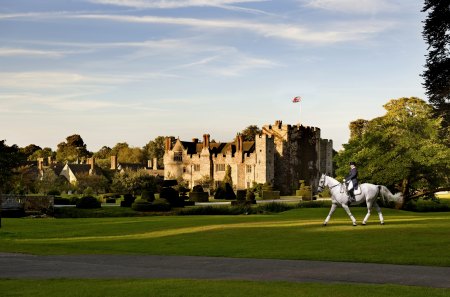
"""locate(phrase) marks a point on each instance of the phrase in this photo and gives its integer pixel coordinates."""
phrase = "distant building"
(282, 155)
(72, 172)
(151, 167)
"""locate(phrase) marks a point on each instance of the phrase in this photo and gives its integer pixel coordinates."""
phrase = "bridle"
(321, 185)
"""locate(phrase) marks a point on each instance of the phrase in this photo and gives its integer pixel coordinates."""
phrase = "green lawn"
(407, 238)
(199, 288)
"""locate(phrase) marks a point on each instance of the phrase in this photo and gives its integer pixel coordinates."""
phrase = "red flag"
(296, 99)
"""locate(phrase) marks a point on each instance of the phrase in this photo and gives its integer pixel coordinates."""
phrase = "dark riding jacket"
(353, 176)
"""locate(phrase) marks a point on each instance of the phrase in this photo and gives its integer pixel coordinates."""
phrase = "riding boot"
(351, 195)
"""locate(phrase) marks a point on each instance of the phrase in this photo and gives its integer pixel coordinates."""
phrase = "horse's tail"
(389, 197)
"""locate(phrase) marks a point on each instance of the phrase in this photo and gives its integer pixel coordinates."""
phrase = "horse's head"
(321, 185)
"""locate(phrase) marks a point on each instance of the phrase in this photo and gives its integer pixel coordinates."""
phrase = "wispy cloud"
(290, 32)
(10, 52)
(352, 6)
(170, 4)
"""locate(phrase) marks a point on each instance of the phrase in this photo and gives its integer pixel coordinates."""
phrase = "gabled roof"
(82, 169)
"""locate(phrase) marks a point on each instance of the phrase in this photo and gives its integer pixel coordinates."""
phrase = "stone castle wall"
(281, 156)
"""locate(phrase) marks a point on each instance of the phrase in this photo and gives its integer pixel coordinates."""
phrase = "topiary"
(160, 205)
(141, 205)
(198, 189)
(88, 202)
(148, 195)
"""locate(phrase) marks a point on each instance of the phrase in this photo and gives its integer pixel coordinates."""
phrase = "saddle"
(349, 186)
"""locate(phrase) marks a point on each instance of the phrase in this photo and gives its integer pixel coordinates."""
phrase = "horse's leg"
(380, 215)
(333, 208)
(347, 210)
(369, 209)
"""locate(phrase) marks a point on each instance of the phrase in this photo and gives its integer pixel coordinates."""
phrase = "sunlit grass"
(407, 238)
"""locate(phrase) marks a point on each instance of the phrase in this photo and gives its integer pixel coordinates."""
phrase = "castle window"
(196, 167)
(178, 156)
(184, 169)
(249, 168)
(220, 167)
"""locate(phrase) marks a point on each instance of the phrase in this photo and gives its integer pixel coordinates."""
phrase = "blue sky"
(131, 70)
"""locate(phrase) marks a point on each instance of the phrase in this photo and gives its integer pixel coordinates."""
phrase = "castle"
(281, 155)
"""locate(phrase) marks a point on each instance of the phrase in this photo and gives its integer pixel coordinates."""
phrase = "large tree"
(127, 154)
(10, 158)
(156, 148)
(249, 133)
(74, 149)
(436, 33)
(401, 149)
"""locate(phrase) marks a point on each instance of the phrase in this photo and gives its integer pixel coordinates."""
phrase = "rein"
(335, 185)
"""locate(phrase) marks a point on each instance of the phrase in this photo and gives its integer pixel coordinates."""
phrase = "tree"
(103, 153)
(127, 154)
(43, 153)
(10, 158)
(357, 128)
(74, 149)
(436, 33)
(134, 182)
(30, 150)
(155, 149)
(401, 149)
(249, 133)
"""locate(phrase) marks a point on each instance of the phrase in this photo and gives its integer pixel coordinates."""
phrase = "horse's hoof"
(363, 224)
(324, 224)
(382, 223)
(354, 224)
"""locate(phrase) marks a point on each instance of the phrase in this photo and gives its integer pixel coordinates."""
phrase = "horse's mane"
(332, 179)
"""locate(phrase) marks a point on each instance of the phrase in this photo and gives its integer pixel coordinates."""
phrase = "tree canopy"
(72, 150)
(401, 149)
(436, 33)
(10, 158)
(249, 133)
(156, 148)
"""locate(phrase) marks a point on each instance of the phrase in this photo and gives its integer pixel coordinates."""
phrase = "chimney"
(50, 162)
(149, 164)
(155, 164)
(168, 144)
(113, 162)
(195, 140)
(40, 163)
(240, 143)
(91, 161)
(206, 141)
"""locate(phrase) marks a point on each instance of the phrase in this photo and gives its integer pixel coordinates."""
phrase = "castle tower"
(264, 167)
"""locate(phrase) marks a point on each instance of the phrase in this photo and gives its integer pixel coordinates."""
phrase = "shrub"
(54, 193)
(250, 195)
(198, 189)
(160, 205)
(225, 192)
(199, 196)
(241, 194)
(141, 205)
(128, 200)
(148, 195)
(269, 195)
(88, 202)
(171, 195)
(64, 201)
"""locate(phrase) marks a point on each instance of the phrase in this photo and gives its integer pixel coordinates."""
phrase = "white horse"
(369, 193)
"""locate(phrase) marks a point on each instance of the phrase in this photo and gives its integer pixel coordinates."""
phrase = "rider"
(352, 176)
